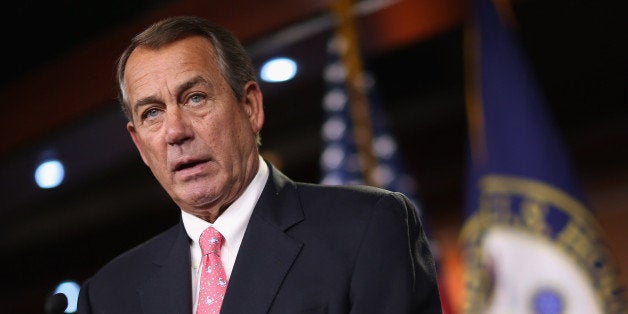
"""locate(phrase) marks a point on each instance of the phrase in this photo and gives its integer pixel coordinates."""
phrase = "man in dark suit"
(195, 113)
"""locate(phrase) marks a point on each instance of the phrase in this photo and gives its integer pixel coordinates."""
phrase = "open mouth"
(187, 165)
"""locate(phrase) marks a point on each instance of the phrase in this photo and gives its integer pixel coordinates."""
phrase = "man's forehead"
(173, 66)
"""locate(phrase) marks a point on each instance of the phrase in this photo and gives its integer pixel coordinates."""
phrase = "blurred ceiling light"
(49, 174)
(278, 70)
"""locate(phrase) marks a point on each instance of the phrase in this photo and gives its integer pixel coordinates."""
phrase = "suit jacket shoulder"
(143, 278)
(325, 249)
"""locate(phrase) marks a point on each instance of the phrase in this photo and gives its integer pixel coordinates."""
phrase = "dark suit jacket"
(307, 249)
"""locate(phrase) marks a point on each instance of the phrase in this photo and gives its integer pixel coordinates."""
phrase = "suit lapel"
(169, 289)
(266, 253)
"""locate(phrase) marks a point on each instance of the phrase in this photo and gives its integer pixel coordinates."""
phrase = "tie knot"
(210, 241)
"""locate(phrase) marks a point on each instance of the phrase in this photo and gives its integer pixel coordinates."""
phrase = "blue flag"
(530, 242)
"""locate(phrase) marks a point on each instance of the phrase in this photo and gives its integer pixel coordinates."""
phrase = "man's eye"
(150, 113)
(196, 99)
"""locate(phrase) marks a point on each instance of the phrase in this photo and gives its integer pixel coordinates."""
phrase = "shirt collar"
(233, 221)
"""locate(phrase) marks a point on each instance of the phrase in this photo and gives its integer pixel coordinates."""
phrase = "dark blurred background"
(58, 99)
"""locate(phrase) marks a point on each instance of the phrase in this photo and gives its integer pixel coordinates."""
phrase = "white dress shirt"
(231, 224)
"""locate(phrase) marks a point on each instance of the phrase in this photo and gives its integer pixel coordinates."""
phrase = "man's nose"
(177, 128)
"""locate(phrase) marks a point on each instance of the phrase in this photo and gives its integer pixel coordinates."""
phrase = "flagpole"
(356, 87)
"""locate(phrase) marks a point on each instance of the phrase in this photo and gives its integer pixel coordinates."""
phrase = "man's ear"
(253, 103)
(131, 128)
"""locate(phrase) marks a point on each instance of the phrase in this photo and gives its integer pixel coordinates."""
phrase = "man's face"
(189, 128)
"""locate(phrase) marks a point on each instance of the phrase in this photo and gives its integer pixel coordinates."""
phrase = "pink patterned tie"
(213, 283)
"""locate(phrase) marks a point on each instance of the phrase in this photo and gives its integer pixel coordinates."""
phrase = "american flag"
(340, 160)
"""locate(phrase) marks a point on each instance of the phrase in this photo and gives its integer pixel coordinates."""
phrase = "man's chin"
(197, 197)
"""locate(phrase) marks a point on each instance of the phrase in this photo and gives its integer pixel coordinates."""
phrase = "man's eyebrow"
(191, 83)
(144, 102)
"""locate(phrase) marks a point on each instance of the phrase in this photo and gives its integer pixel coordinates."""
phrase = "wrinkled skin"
(190, 130)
